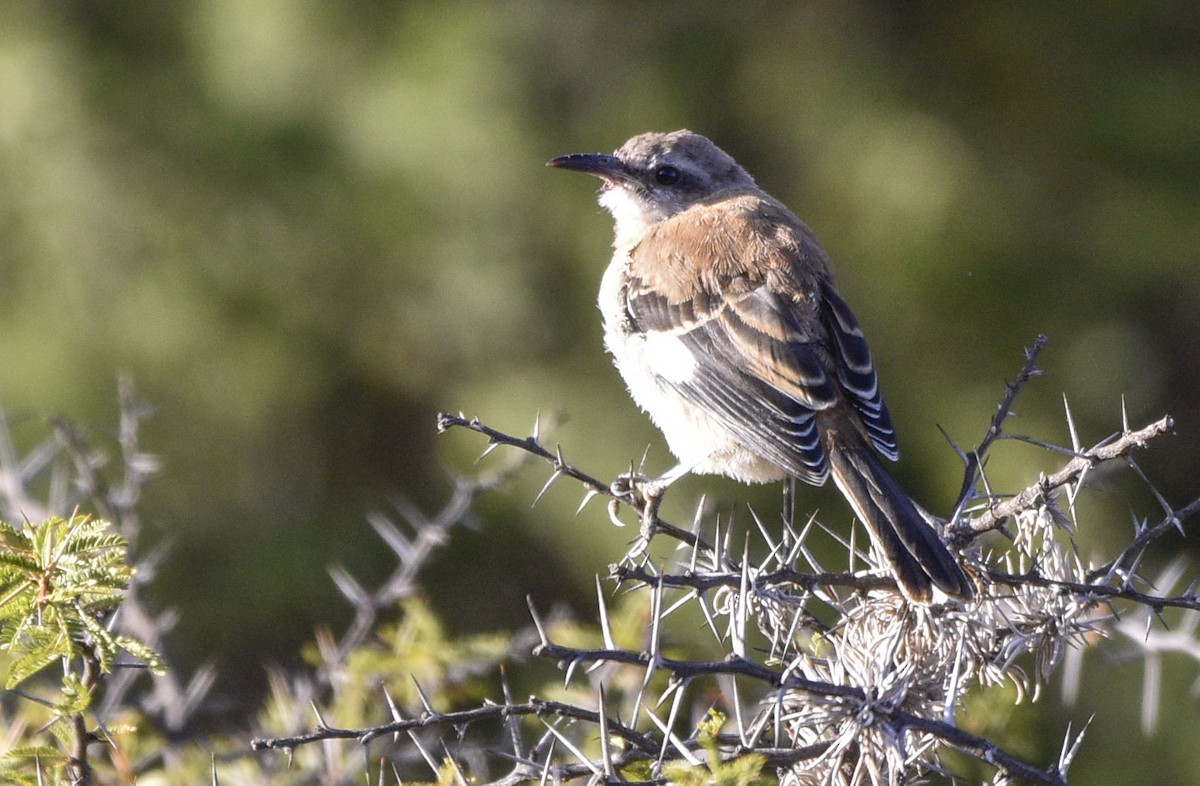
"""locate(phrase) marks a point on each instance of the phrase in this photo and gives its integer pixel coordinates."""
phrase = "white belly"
(649, 364)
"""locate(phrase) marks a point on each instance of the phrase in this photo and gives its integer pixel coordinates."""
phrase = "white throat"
(632, 216)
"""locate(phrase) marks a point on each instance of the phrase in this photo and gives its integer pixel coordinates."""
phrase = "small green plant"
(719, 770)
(60, 582)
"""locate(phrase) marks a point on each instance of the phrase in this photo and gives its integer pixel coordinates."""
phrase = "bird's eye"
(666, 175)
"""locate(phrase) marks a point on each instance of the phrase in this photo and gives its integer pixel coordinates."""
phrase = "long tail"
(916, 554)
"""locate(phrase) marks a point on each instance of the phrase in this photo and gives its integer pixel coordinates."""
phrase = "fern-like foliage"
(60, 581)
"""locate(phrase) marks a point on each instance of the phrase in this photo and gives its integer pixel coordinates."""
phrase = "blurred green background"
(304, 226)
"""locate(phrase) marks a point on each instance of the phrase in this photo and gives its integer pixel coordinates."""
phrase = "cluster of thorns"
(828, 676)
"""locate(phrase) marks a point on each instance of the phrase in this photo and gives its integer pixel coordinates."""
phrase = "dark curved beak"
(602, 165)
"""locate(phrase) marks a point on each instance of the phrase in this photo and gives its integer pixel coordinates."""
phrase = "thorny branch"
(412, 553)
(784, 577)
(592, 486)
(1145, 536)
(1038, 494)
(880, 704)
(1097, 592)
(994, 515)
(990, 517)
(412, 546)
(644, 747)
(537, 707)
(974, 459)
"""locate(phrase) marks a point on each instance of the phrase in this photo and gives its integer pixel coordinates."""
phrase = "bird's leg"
(645, 493)
(789, 503)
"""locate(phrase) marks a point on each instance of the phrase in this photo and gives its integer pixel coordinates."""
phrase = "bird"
(720, 312)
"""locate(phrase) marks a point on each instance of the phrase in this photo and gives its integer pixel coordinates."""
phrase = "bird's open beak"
(610, 168)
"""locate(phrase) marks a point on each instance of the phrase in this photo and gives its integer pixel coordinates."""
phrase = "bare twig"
(1039, 493)
(974, 459)
(705, 581)
(593, 486)
(1146, 536)
(412, 554)
(1092, 592)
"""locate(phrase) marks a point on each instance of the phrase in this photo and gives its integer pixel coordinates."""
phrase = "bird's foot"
(643, 494)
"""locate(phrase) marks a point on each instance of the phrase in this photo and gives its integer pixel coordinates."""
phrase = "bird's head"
(655, 176)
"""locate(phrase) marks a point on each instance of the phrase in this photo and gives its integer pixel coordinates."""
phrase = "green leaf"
(145, 654)
(46, 753)
(103, 644)
(76, 697)
(16, 560)
(28, 664)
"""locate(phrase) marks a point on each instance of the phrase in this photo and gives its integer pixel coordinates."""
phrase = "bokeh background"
(303, 227)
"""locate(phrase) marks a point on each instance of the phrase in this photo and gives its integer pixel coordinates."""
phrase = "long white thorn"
(394, 710)
(587, 497)
(763, 530)
(737, 712)
(708, 616)
(738, 619)
(606, 754)
(423, 697)
(553, 477)
(697, 521)
(672, 739)
(656, 621)
(458, 773)
(1068, 753)
(537, 620)
(321, 724)
(1076, 445)
(425, 754)
(605, 627)
(574, 750)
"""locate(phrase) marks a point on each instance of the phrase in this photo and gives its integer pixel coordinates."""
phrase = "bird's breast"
(653, 365)
(650, 363)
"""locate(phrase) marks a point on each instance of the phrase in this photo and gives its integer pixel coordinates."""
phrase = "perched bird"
(721, 314)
